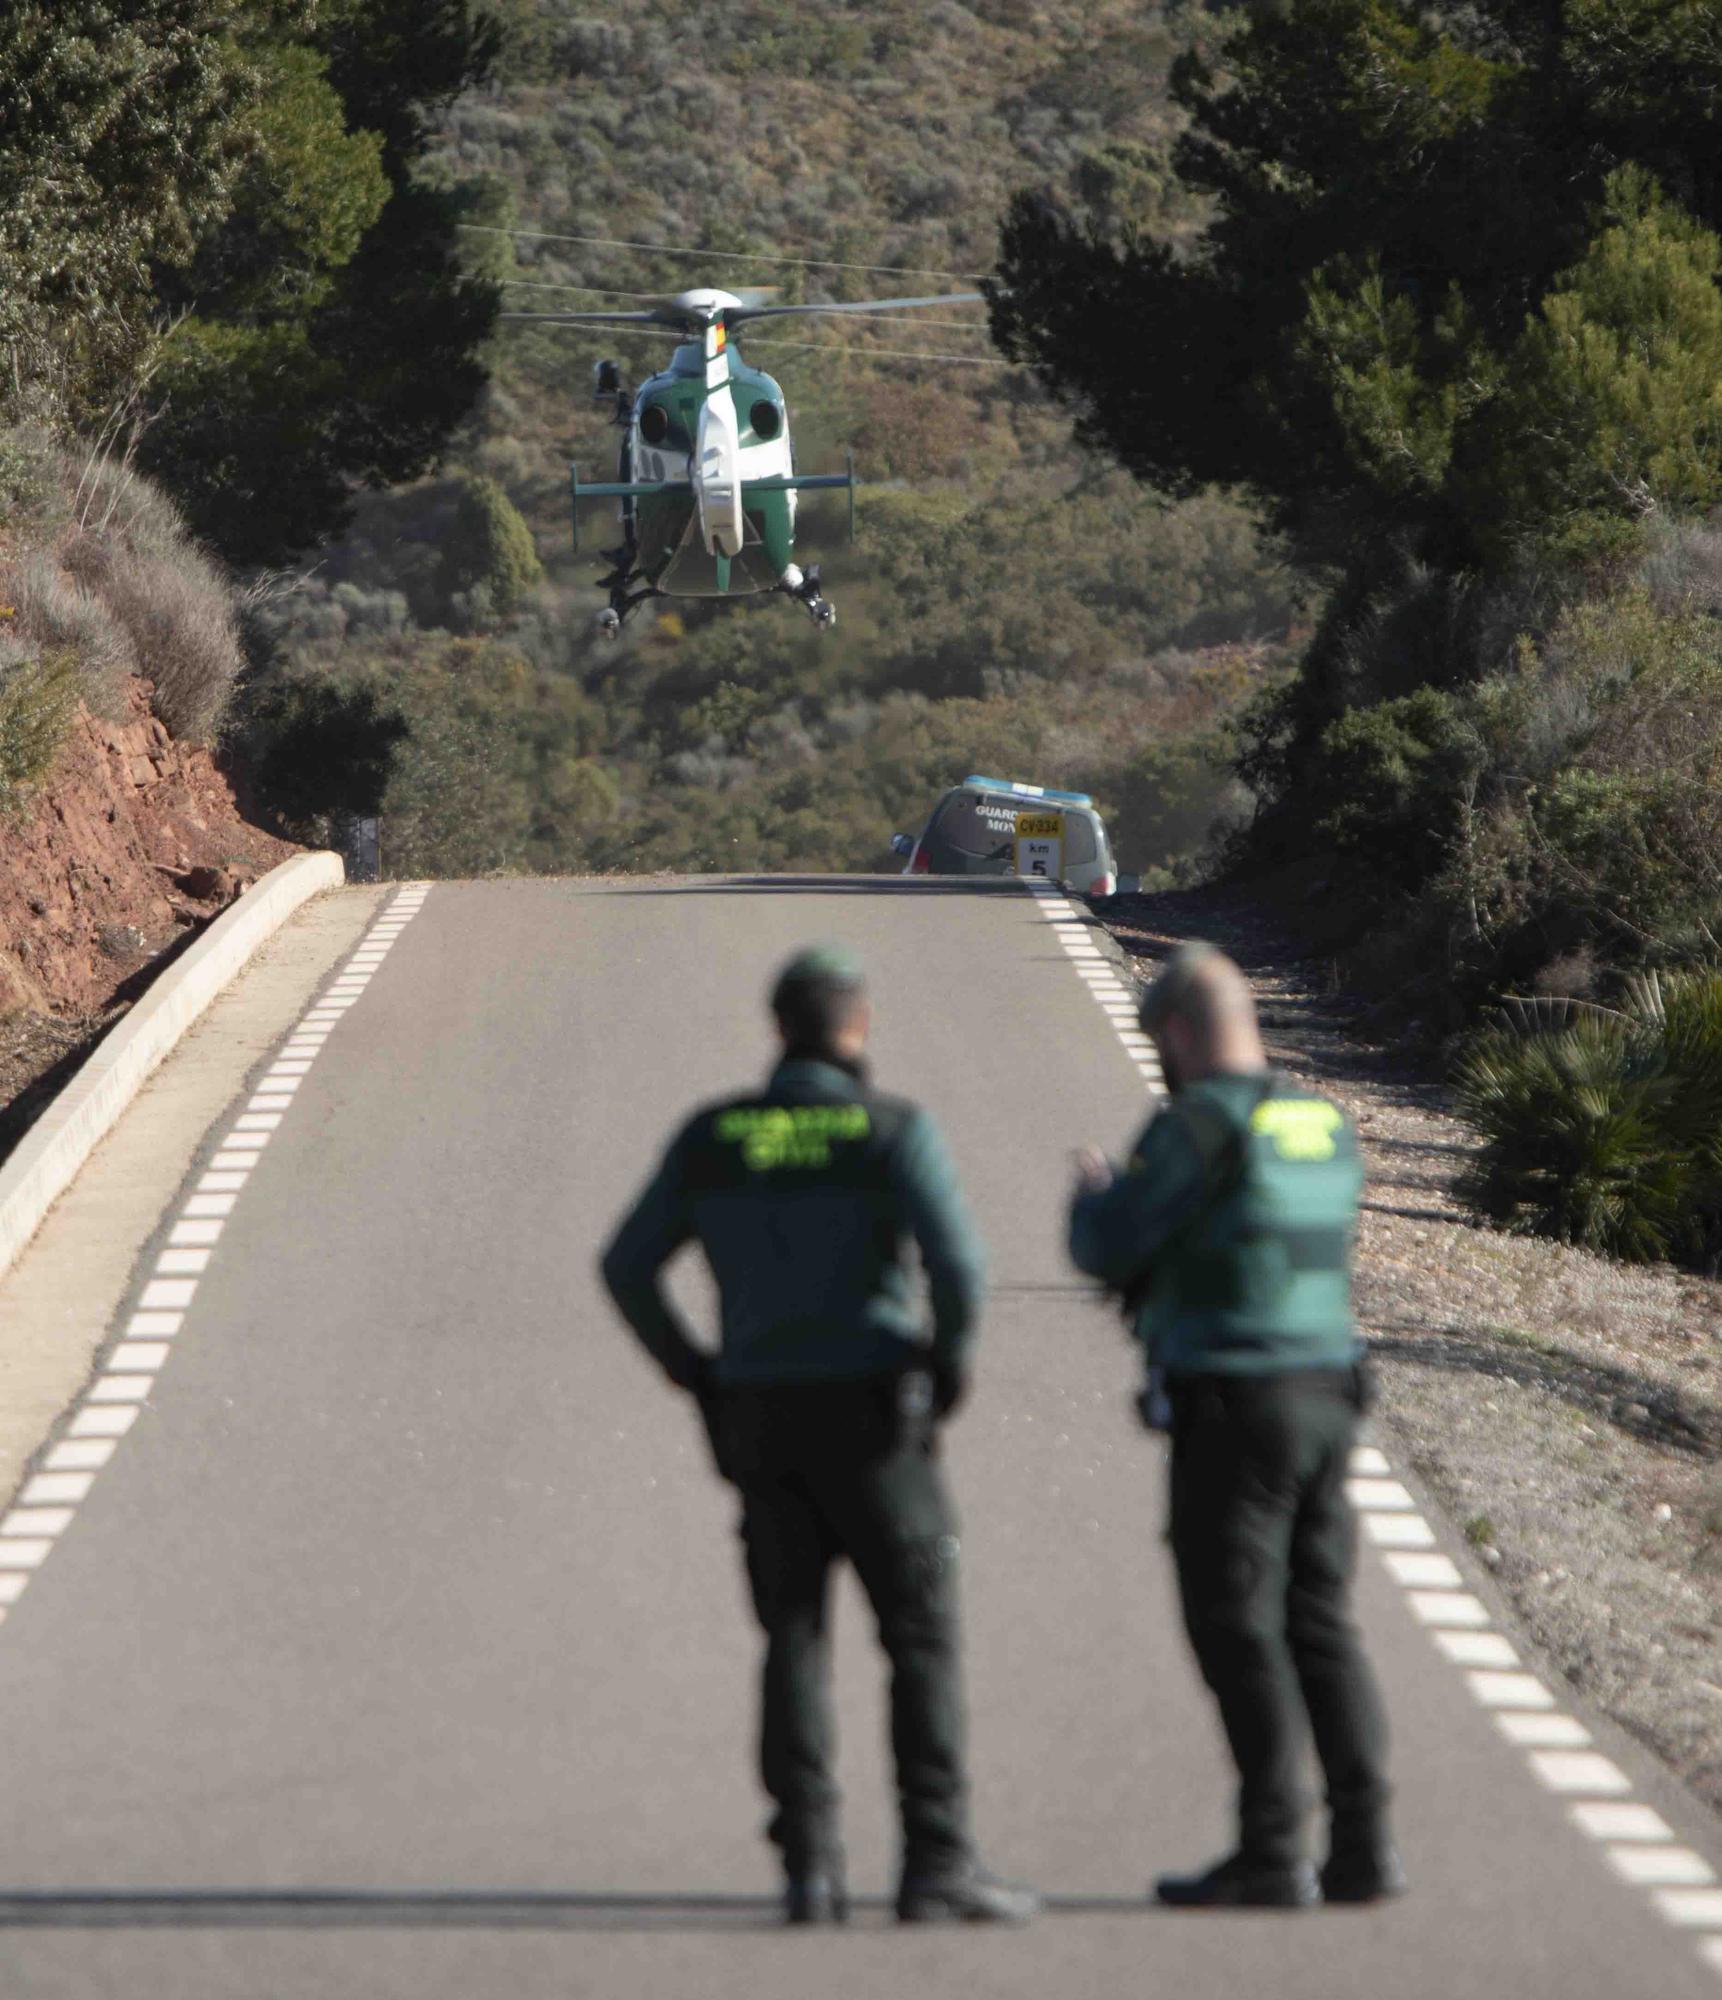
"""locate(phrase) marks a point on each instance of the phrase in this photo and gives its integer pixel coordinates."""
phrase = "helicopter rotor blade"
(653, 318)
(859, 306)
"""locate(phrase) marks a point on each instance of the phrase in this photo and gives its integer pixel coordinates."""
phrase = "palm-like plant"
(1688, 1011)
(1603, 1126)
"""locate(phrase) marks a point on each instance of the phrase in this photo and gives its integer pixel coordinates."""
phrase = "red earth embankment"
(132, 843)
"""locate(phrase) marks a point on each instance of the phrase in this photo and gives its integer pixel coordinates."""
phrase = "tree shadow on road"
(827, 885)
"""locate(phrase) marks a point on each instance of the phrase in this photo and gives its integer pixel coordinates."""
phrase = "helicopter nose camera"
(610, 385)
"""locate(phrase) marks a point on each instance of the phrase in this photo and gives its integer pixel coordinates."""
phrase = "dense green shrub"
(123, 137)
(1601, 1127)
(1169, 805)
(1394, 780)
(489, 555)
(319, 752)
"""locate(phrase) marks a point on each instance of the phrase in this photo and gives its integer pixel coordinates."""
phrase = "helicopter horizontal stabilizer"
(628, 489)
(618, 489)
(651, 489)
(782, 484)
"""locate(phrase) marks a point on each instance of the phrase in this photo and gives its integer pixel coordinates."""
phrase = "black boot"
(1238, 1883)
(815, 1896)
(961, 1892)
(1363, 1874)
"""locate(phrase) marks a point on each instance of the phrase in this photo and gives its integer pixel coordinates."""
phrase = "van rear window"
(982, 828)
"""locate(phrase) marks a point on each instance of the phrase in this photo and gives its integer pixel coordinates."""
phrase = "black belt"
(1240, 1387)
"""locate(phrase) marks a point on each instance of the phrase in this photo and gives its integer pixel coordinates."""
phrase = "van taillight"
(918, 863)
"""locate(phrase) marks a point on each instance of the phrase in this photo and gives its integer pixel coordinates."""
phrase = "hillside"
(120, 835)
(1010, 602)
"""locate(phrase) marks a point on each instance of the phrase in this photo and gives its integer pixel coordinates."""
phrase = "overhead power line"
(806, 346)
(688, 255)
(590, 291)
(890, 319)
(892, 353)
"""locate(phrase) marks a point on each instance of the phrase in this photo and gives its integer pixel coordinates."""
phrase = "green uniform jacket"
(1231, 1230)
(804, 1198)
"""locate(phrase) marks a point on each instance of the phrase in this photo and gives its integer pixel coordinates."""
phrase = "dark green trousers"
(1265, 1543)
(837, 1472)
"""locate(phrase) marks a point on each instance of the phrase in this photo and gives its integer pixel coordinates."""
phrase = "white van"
(995, 826)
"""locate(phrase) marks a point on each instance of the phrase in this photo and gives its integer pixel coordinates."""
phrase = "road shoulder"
(59, 1301)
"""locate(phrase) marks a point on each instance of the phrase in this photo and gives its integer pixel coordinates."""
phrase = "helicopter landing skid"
(803, 586)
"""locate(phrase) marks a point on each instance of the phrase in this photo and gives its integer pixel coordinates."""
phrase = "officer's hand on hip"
(1094, 1173)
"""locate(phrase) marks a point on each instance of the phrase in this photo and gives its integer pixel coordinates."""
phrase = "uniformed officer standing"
(823, 1403)
(1230, 1235)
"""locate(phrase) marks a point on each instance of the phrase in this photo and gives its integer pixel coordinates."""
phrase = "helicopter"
(706, 472)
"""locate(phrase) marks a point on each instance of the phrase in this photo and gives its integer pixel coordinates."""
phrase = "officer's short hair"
(1198, 981)
(816, 993)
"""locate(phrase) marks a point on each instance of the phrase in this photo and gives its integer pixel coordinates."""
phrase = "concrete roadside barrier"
(48, 1158)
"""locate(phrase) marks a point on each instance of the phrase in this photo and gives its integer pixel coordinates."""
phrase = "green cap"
(819, 966)
(1171, 990)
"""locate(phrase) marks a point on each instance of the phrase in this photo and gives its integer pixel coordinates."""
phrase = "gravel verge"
(1566, 1411)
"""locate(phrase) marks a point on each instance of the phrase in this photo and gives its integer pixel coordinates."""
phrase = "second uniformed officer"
(1230, 1234)
(823, 1402)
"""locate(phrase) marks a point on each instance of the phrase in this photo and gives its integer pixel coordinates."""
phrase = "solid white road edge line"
(47, 1160)
(109, 1407)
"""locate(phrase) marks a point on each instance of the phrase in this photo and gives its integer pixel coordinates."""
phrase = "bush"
(98, 568)
(38, 698)
(1601, 1127)
(1170, 803)
(178, 613)
(489, 556)
(59, 615)
(1394, 779)
(321, 752)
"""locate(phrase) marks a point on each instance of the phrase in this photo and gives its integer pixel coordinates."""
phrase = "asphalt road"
(402, 1649)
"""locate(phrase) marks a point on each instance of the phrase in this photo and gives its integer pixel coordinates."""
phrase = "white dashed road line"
(1638, 1843)
(48, 1503)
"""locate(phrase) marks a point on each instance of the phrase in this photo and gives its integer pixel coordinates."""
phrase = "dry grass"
(178, 614)
(56, 613)
(96, 566)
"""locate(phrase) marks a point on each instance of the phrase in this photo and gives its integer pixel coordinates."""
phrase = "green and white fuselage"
(711, 429)
(707, 477)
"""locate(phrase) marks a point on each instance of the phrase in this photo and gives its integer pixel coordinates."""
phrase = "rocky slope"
(134, 843)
